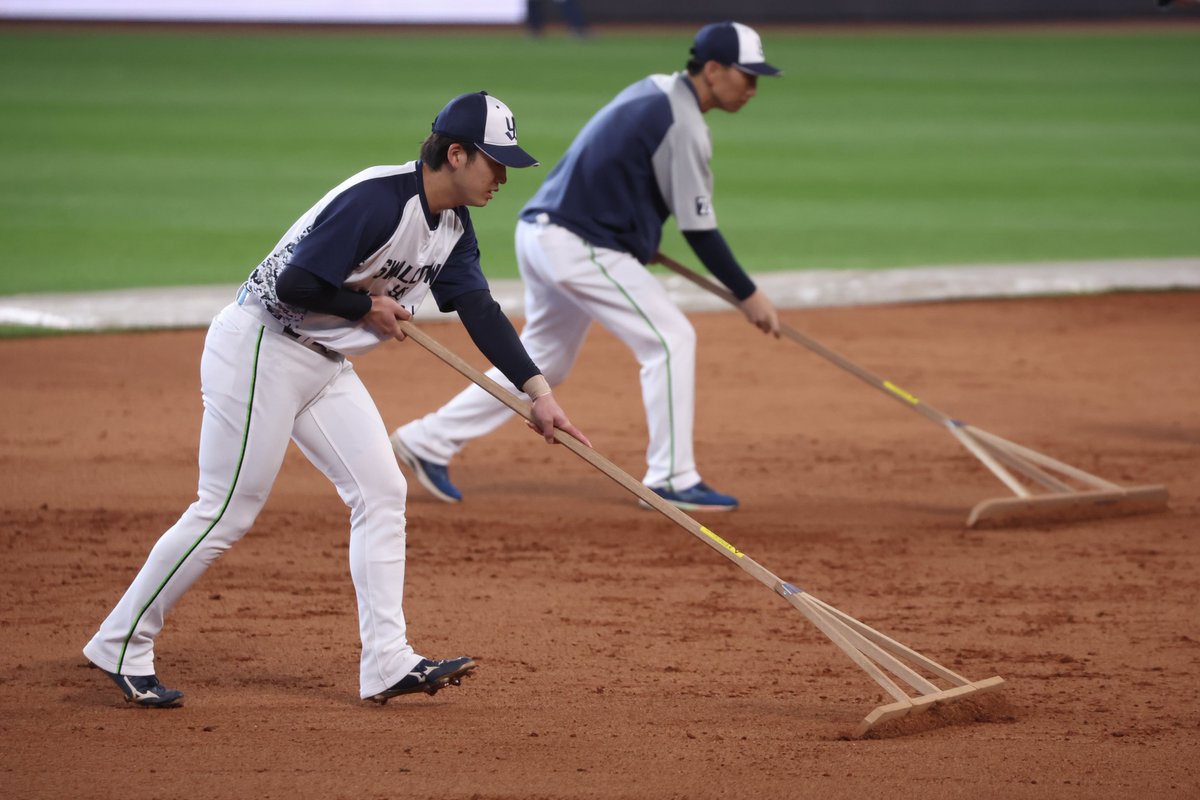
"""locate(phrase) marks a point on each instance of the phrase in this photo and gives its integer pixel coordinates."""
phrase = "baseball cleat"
(434, 477)
(700, 497)
(145, 690)
(429, 675)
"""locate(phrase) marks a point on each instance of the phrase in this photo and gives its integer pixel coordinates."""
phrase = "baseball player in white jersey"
(274, 368)
(582, 245)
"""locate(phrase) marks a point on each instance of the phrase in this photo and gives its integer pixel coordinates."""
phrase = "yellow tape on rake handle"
(868, 648)
(812, 344)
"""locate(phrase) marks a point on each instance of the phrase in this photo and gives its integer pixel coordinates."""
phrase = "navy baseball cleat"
(429, 675)
(434, 477)
(145, 690)
(700, 497)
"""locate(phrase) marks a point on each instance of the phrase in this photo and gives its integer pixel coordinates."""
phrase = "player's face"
(480, 179)
(731, 87)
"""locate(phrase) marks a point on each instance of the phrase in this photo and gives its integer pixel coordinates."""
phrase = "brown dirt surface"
(619, 657)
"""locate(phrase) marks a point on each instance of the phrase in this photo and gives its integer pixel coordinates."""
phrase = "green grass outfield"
(152, 157)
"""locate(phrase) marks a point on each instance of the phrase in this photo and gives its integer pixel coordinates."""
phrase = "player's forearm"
(298, 287)
(495, 336)
(713, 251)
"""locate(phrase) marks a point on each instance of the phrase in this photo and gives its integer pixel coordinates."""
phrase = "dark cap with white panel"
(732, 43)
(488, 124)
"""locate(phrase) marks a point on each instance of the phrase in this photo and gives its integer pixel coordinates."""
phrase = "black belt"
(304, 341)
(247, 298)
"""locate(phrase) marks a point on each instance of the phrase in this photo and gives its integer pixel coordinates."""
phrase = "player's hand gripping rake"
(1056, 497)
(867, 647)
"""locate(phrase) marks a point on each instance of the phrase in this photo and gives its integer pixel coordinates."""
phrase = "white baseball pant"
(569, 283)
(261, 389)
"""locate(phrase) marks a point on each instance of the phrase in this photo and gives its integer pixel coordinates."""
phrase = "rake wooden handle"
(885, 386)
(620, 476)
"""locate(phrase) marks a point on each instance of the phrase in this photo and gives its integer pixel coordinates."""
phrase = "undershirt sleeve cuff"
(713, 251)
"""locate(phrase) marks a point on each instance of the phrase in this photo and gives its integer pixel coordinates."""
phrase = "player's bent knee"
(382, 513)
(676, 346)
(682, 339)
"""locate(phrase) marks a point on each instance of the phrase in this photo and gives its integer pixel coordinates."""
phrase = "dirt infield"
(619, 658)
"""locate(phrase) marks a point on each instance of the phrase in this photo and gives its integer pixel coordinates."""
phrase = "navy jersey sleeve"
(716, 256)
(354, 225)
(298, 287)
(462, 271)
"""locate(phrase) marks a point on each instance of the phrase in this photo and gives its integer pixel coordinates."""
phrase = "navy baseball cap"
(487, 123)
(732, 43)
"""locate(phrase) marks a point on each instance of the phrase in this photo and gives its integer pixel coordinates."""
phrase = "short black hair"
(436, 146)
(694, 67)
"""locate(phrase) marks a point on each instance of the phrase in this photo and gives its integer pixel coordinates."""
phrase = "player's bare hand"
(384, 316)
(761, 312)
(548, 415)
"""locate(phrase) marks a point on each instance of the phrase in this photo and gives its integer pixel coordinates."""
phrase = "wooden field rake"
(874, 652)
(1046, 492)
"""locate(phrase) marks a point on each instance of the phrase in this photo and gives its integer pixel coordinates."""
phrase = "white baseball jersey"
(373, 233)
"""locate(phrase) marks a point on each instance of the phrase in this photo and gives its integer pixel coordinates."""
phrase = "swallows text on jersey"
(403, 276)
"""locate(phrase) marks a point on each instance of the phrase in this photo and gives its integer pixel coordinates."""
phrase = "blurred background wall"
(809, 11)
(595, 11)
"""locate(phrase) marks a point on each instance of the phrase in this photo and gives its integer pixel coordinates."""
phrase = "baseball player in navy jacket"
(582, 245)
